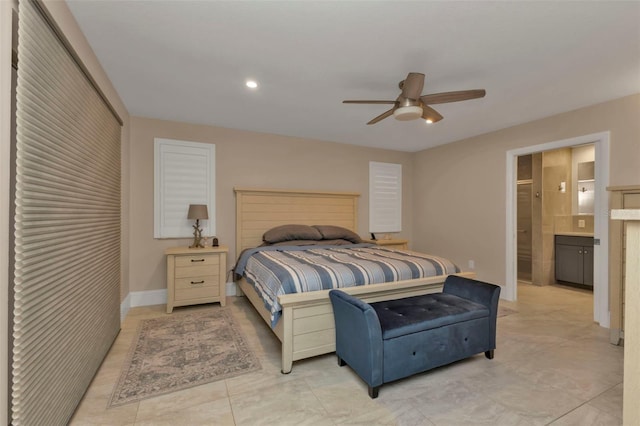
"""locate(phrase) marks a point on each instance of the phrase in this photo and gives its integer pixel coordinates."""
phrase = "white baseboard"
(149, 297)
(155, 297)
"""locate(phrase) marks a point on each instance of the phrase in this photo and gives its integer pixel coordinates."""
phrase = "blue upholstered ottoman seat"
(390, 340)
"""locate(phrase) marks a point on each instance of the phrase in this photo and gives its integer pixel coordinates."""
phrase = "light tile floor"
(552, 366)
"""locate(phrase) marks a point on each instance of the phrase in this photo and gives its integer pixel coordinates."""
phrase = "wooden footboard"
(307, 328)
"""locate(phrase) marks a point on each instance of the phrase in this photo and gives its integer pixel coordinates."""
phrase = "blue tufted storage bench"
(393, 339)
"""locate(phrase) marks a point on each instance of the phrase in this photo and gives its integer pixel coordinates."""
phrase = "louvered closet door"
(67, 228)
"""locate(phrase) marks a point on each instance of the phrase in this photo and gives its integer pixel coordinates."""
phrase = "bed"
(306, 326)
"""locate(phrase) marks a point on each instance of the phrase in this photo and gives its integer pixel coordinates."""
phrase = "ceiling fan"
(410, 105)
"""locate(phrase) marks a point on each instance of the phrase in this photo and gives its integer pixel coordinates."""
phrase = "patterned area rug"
(180, 351)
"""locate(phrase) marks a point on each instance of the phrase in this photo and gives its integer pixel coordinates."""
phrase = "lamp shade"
(198, 211)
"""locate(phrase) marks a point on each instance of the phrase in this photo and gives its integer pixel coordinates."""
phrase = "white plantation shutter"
(184, 174)
(67, 227)
(385, 197)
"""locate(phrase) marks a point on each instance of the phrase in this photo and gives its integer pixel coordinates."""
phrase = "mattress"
(278, 270)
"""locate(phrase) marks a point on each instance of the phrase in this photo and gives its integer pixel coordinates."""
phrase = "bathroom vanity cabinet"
(574, 259)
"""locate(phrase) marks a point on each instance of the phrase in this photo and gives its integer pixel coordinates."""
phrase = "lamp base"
(197, 236)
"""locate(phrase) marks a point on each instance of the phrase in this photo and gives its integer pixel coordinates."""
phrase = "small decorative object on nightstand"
(196, 275)
(197, 212)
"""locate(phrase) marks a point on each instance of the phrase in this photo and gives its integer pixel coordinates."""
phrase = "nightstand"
(391, 243)
(196, 276)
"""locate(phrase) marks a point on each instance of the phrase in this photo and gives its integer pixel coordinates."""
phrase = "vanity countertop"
(575, 234)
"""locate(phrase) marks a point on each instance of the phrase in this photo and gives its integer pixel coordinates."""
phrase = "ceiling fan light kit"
(407, 113)
(410, 105)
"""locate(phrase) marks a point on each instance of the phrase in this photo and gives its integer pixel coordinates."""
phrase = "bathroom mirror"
(586, 187)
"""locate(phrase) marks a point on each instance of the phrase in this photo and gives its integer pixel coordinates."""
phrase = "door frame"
(519, 184)
(601, 219)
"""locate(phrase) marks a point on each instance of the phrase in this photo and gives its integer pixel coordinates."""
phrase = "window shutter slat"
(385, 197)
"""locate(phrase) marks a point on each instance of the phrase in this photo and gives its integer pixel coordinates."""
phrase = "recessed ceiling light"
(252, 84)
(429, 121)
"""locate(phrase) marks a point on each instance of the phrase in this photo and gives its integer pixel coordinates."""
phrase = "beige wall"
(64, 19)
(459, 189)
(246, 159)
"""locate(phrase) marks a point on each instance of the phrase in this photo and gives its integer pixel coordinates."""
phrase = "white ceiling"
(188, 61)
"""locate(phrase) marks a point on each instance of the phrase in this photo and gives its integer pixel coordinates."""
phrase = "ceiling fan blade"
(381, 116)
(368, 102)
(431, 114)
(445, 97)
(412, 85)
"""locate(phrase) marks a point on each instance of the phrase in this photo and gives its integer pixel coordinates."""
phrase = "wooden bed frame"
(306, 327)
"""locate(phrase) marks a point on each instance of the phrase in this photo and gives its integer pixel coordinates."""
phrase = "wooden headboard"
(258, 210)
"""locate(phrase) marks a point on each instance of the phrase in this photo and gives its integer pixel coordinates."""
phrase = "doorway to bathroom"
(542, 200)
(555, 194)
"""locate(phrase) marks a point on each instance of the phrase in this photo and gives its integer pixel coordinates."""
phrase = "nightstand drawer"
(197, 260)
(196, 292)
(197, 282)
(195, 271)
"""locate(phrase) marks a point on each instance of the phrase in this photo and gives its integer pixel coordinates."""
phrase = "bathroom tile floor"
(552, 366)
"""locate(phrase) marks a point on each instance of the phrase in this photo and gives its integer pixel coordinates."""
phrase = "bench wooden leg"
(489, 354)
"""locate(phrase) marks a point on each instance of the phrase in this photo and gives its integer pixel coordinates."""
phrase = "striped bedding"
(278, 270)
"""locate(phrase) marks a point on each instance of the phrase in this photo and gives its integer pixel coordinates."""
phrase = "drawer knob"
(197, 260)
(197, 282)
